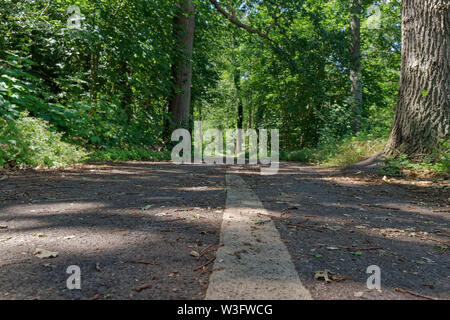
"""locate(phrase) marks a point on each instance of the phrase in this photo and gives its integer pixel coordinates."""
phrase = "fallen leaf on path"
(3, 227)
(40, 235)
(119, 230)
(5, 239)
(172, 274)
(328, 276)
(194, 254)
(94, 297)
(142, 287)
(147, 207)
(45, 254)
(440, 248)
(322, 275)
(162, 214)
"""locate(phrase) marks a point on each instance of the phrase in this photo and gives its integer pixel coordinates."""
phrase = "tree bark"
(355, 63)
(422, 114)
(95, 56)
(184, 24)
(240, 107)
(125, 89)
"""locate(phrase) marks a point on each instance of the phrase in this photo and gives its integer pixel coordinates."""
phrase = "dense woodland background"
(107, 91)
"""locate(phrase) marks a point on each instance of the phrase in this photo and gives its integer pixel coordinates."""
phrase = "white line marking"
(265, 269)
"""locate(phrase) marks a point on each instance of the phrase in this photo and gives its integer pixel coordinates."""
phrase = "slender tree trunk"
(422, 114)
(250, 117)
(184, 24)
(355, 63)
(95, 56)
(240, 107)
(125, 90)
(237, 86)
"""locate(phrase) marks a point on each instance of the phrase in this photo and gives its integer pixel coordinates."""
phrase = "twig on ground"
(414, 294)
(204, 251)
(205, 264)
(94, 297)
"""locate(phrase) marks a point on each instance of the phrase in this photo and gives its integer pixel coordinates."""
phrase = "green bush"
(305, 155)
(346, 152)
(354, 150)
(132, 153)
(438, 161)
(30, 141)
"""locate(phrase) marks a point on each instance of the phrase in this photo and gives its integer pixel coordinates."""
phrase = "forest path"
(253, 263)
(142, 230)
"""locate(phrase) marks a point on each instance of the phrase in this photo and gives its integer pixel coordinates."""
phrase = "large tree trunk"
(422, 115)
(184, 24)
(355, 63)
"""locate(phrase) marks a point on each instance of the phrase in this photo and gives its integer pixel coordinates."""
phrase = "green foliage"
(343, 153)
(18, 88)
(301, 85)
(133, 153)
(354, 150)
(437, 162)
(32, 142)
(106, 86)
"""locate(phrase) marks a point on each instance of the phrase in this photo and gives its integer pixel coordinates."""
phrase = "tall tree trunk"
(355, 63)
(126, 94)
(95, 56)
(250, 117)
(422, 114)
(184, 24)
(240, 107)
(237, 86)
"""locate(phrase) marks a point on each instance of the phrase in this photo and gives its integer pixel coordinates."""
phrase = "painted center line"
(253, 264)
